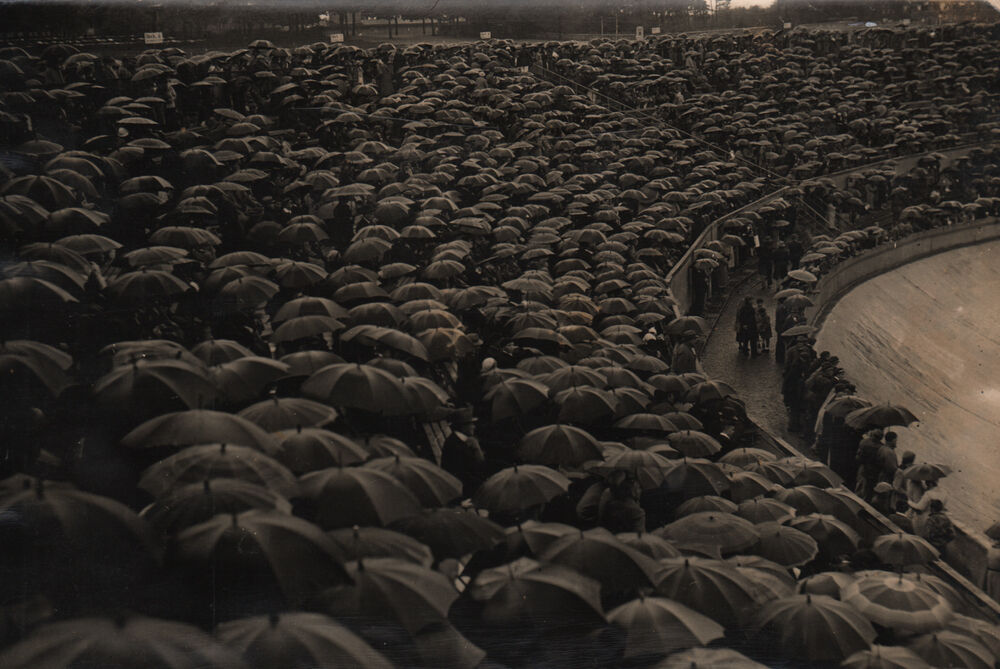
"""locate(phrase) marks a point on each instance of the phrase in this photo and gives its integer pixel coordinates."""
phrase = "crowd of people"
(327, 356)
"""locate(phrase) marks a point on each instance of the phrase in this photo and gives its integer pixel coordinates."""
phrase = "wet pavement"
(758, 380)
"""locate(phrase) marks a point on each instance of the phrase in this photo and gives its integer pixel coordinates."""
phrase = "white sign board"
(906, 22)
(486, 35)
(654, 31)
(153, 38)
(336, 38)
(787, 26)
(639, 32)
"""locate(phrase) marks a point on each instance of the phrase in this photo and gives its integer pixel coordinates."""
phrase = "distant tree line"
(513, 19)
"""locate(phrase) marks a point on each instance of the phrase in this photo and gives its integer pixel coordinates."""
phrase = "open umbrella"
(951, 649)
(244, 380)
(765, 509)
(451, 533)
(195, 503)
(196, 464)
(309, 449)
(241, 543)
(880, 415)
(709, 658)
(394, 589)
(305, 327)
(520, 487)
(358, 386)
(785, 545)
(834, 536)
(694, 444)
(598, 554)
(815, 628)
(513, 398)
(904, 549)
(529, 591)
(585, 404)
(152, 382)
(431, 484)
(298, 639)
(926, 471)
(714, 530)
(659, 626)
(558, 445)
(286, 413)
(885, 657)
(108, 642)
(892, 601)
(199, 426)
(356, 543)
(711, 587)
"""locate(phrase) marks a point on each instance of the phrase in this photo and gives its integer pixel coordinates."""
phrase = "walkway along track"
(678, 279)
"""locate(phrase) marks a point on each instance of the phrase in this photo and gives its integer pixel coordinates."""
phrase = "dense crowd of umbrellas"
(336, 377)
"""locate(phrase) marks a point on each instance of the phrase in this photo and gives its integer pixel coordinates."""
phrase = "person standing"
(938, 529)
(764, 333)
(684, 358)
(343, 224)
(780, 314)
(887, 460)
(780, 259)
(746, 327)
(765, 265)
(992, 585)
(868, 463)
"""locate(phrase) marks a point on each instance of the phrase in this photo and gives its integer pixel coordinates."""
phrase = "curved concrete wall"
(881, 259)
(967, 553)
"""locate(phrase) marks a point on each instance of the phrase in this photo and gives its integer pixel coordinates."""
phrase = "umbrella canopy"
(359, 386)
(885, 657)
(356, 543)
(512, 398)
(355, 496)
(559, 445)
(711, 587)
(893, 601)
(451, 533)
(529, 591)
(394, 589)
(132, 641)
(815, 627)
(880, 415)
(785, 545)
(904, 549)
(286, 413)
(431, 484)
(151, 382)
(242, 542)
(655, 626)
(833, 536)
(518, 488)
(598, 554)
(188, 505)
(765, 509)
(196, 464)
(298, 639)
(713, 530)
(199, 426)
(704, 658)
(951, 649)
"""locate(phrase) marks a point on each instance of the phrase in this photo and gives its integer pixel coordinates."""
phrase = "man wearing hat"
(869, 466)
(684, 358)
(887, 460)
